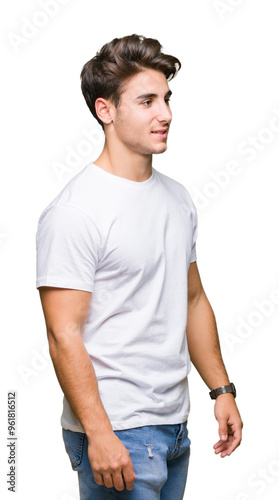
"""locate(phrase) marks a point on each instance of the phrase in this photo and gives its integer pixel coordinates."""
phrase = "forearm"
(205, 354)
(78, 381)
(203, 343)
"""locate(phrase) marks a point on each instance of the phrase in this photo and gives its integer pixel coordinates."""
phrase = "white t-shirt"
(130, 244)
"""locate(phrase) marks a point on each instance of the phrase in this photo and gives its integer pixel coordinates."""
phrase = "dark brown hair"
(105, 74)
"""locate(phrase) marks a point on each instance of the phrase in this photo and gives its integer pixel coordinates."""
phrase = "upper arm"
(195, 287)
(66, 311)
(68, 249)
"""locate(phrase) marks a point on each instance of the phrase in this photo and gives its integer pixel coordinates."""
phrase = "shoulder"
(177, 188)
(75, 201)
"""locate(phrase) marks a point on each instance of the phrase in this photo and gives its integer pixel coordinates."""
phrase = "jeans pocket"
(74, 443)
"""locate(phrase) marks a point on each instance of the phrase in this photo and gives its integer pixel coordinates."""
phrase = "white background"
(225, 96)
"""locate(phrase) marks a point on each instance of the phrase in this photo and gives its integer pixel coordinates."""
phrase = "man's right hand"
(110, 462)
(66, 312)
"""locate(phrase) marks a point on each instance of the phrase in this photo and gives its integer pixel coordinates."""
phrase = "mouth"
(161, 133)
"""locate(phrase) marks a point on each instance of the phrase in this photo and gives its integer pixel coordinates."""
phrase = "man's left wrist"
(225, 389)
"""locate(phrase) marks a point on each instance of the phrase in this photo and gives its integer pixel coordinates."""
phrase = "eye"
(147, 103)
(167, 101)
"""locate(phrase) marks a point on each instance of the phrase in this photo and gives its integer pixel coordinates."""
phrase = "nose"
(164, 114)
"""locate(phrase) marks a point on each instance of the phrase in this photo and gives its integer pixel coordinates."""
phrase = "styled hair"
(117, 61)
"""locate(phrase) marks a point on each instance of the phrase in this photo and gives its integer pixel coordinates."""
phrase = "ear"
(103, 109)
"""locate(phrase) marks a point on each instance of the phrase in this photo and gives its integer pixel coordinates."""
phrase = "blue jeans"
(160, 455)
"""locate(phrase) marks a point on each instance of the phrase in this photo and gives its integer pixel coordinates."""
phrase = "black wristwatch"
(223, 390)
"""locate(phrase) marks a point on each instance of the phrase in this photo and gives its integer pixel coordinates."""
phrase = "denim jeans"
(160, 455)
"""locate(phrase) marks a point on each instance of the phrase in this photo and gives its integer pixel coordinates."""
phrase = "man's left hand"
(230, 425)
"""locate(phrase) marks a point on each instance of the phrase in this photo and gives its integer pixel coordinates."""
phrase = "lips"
(161, 131)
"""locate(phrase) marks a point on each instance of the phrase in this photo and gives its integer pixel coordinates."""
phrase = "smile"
(162, 133)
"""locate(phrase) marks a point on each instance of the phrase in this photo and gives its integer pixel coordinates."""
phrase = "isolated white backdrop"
(223, 147)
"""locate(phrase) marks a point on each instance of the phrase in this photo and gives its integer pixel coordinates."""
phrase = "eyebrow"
(146, 96)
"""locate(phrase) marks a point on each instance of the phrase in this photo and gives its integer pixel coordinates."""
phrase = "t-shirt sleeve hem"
(59, 283)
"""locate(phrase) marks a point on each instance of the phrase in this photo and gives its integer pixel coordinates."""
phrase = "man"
(118, 281)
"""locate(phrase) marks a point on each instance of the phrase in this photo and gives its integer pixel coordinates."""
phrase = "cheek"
(133, 125)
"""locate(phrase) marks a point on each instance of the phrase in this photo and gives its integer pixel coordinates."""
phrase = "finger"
(219, 448)
(216, 445)
(223, 429)
(238, 436)
(118, 481)
(222, 445)
(235, 442)
(129, 477)
(108, 479)
(223, 449)
(226, 448)
(222, 452)
(98, 478)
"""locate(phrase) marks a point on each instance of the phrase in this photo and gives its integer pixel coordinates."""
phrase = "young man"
(118, 281)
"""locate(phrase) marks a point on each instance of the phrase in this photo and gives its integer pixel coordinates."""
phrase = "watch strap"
(223, 390)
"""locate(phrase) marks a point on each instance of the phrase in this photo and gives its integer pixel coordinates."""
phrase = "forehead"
(148, 81)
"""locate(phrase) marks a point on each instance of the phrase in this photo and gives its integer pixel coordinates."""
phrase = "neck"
(119, 160)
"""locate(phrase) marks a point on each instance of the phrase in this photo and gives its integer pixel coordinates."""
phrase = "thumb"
(223, 429)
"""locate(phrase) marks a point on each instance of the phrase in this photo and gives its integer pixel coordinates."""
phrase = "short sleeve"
(68, 246)
(193, 257)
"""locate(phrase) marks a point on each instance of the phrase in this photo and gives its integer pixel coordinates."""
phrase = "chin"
(160, 149)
